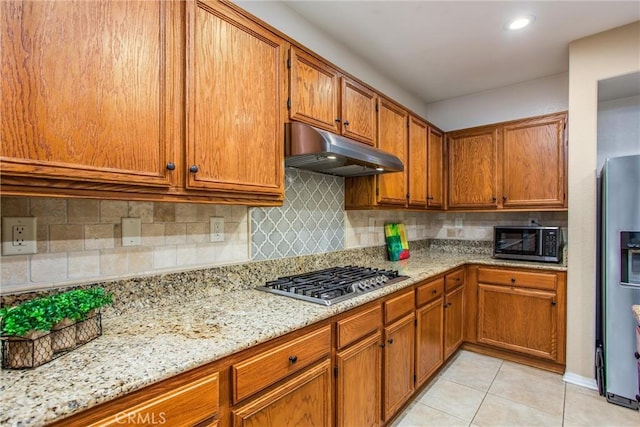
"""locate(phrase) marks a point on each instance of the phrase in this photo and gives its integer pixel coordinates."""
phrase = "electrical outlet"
(458, 222)
(216, 229)
(131, 231)
(19, 235)
(533, 221)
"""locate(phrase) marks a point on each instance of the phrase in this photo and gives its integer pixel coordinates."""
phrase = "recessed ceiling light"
(520, 22)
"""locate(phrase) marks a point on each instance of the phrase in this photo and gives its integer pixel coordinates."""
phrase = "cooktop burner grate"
(332, 285)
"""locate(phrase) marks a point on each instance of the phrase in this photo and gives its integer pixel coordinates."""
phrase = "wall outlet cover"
(19, 235)
(131, 231)
(216, 229)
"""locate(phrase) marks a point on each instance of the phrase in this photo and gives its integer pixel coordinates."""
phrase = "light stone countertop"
(138, 349)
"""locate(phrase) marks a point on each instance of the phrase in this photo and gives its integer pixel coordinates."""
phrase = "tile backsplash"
(80, 241)
(310, 221)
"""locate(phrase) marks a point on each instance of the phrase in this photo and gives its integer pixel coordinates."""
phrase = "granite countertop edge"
(141, 348)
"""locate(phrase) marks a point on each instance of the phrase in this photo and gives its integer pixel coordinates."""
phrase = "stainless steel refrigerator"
(617, 364)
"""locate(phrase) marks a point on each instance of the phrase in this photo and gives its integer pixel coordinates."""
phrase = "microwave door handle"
(540, 238)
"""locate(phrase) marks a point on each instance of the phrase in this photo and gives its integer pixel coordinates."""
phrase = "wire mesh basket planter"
(42, 347)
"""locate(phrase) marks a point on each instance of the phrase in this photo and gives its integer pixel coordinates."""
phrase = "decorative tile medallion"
(310, 221)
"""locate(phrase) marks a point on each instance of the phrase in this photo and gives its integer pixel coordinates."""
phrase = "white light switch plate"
(216, 228)
(131, 230)
(19, 235)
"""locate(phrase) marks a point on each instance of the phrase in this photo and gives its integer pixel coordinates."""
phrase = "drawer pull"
(513, 280)
(390, 341)
(293, 359)
(433, 292)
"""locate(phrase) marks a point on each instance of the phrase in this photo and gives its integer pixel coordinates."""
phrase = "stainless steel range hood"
(310, 148)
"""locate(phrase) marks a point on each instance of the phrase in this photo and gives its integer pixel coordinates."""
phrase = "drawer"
(525, 279)
(429, 291)
(266, 368)
(359, 325)
(397, 307)
(453, 280)
(187, 405)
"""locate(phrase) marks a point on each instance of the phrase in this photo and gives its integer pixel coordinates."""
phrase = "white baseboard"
(576, 379)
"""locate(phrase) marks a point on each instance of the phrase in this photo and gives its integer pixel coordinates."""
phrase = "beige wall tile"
(142, 210)
(164, 257)
(140, 259)
(206, 253)
(164, 212)
(48, 268)
(81, 211)
(186, 212)
(207, 211)
(99, 236)
(198, 232)
(175, 233)
(49, 211)
(14, 270)
(65, 238)
(14, 206)
(42, 236)
(152, 234)
(84, 264)
(114, 262)
(112, 211)
(187, 255)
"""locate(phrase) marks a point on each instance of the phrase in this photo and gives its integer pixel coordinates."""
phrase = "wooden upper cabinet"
(472, 161)
(236, 103)
(534, 159)
(314, 91)
(86, 91)
(392, 137)
(417, 162)
(435, 169)
(358, 112)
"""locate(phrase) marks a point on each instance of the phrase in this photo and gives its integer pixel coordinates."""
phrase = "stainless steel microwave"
(528, 243)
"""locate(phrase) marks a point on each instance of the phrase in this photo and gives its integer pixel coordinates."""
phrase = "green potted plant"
(64, 314)
(88, 302)
(26, 327)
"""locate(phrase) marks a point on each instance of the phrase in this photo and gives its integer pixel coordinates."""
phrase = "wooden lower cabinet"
(303, 400)
(398, 364)
(518, 319)
(358, 383)
(429, 342)
(453, 321)
(522, 311)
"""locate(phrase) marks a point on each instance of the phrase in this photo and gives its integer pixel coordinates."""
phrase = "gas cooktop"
(332, 285)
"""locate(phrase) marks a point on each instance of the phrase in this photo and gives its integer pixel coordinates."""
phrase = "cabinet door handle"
(390, 340)
(435, 291)
(382, 345)
(193, 168)
(553, 302)
(504, 198)
(338, 120)
(171, 166)
(493, 199)
(346, 122)
(293, 359)
(429, 198)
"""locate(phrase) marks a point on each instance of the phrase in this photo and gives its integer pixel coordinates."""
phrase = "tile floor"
(479, 391)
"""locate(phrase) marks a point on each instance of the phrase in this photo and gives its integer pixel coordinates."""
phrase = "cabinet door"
(429, 340)
(358, 396)
(236, 85)
(472, 169)
(417, 162)
(313, 92)
(453, 320)
(398, 364)
(533, 173)
(435, 171)
(358, 112)
(86, 91)
(506, 319)
(304, 400)
(392, 137)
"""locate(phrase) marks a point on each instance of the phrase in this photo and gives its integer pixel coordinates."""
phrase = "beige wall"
(608, 54)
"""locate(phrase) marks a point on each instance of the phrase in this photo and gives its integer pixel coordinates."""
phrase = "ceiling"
(444, 49)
